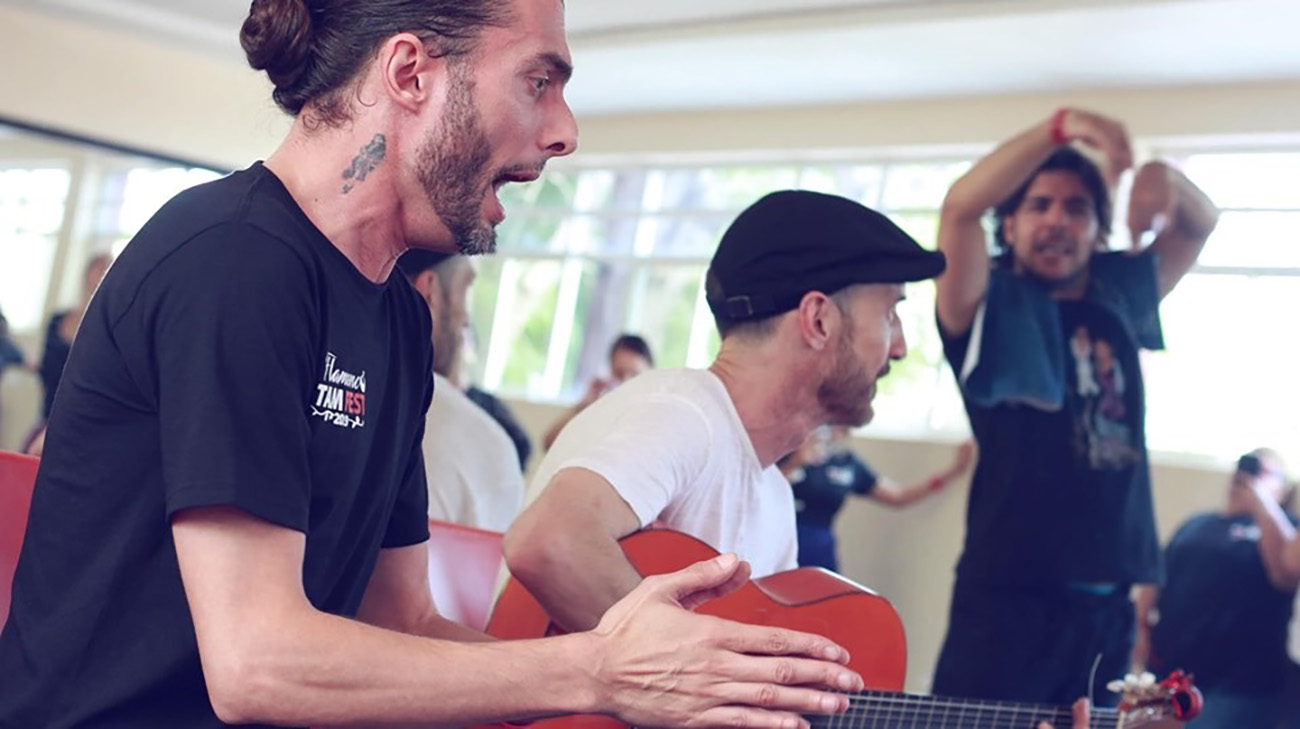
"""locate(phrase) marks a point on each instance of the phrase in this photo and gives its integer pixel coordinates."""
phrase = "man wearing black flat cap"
(803, 288)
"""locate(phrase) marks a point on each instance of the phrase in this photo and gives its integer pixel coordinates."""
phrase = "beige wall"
(121, 88)
(108, 85)
(907, 555)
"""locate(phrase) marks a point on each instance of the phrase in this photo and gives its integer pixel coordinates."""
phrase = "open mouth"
(515, 175)
(1055, 247)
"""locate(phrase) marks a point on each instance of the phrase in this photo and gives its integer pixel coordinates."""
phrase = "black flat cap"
(794, 241)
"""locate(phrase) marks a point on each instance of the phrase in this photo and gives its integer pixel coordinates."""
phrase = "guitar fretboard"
(883, 710)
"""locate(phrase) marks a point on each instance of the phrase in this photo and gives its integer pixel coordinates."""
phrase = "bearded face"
(454, 168)
(846, 392)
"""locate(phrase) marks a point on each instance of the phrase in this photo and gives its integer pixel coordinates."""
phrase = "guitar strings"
(886, 707)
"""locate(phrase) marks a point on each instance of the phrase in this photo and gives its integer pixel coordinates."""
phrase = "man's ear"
(818, 319)
(409, 73)
(1008, 229)
(429, 286)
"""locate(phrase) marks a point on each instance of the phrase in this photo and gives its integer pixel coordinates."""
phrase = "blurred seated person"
(629, 356)
(823, 472)
(1223, 609)
(59, 334)
(470, 464)
(10, 354)
(494, 405)
(62, 330)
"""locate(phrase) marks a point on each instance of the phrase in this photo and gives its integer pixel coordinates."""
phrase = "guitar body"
(808, 599)
(814, 600)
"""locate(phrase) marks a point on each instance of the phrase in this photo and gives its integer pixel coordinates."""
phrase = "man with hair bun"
(229, 521)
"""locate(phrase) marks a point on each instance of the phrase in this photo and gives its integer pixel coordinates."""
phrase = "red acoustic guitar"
(814, 600)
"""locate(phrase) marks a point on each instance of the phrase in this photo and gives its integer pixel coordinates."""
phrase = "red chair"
(17, 477)
(463, 567)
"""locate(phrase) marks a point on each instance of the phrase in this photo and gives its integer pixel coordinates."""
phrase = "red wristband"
(1057, 127)
(936, 483)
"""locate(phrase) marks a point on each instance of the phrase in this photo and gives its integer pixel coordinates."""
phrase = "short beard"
(845, 394)
(1054, 284)
(452, 167)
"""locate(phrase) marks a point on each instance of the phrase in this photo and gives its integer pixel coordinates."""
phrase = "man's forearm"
(992, 179)
(322, 670)
(577, 582)
(1277, 537)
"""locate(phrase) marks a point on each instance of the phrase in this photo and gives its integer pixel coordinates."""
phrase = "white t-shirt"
(471, 465)
(673, 446)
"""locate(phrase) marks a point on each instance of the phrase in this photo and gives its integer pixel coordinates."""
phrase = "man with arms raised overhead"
(1045, 339)
(228, 524)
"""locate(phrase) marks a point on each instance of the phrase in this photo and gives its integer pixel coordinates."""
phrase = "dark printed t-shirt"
(1220, 617)
(1065, 496)
(231, 357)
(820, 490)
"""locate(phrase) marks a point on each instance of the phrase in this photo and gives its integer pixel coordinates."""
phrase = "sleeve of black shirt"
(409, 523)
(230, 322)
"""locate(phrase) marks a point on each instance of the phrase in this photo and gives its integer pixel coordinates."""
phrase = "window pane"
(695, 236)
(26, 262)
(554, 191)
(907, 396)
(739, 187)
(662, 309)
(31, 214)
(920, 186)
(1255, 239)
(723, 188)
(147, 189)
(921, 226)
(522, 320)
(1251, 180)
(1227, 380)
(856, 182)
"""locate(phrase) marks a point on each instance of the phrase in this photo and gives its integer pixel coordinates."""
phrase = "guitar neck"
(884, 710)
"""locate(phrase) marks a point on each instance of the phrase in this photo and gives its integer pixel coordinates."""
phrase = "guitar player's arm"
(564, 548)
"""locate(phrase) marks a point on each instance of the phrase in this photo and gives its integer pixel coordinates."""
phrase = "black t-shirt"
(819, 491)
(232, 356)
(1065, 496)
(1220, 617)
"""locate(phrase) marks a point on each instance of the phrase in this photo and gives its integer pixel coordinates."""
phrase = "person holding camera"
(1223, 609)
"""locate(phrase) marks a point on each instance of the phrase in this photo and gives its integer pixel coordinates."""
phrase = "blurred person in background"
(1222, 611)
(629, 356)
(825, 471)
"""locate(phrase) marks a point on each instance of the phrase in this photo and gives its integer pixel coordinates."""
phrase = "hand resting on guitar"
(667, 667)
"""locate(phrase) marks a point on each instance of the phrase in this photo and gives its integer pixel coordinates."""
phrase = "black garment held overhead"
(1065, 496)
(232, 356)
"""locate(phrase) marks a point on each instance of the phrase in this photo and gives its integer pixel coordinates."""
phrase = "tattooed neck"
(365, 163)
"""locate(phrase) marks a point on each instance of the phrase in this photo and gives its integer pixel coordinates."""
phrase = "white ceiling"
(635, 56)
